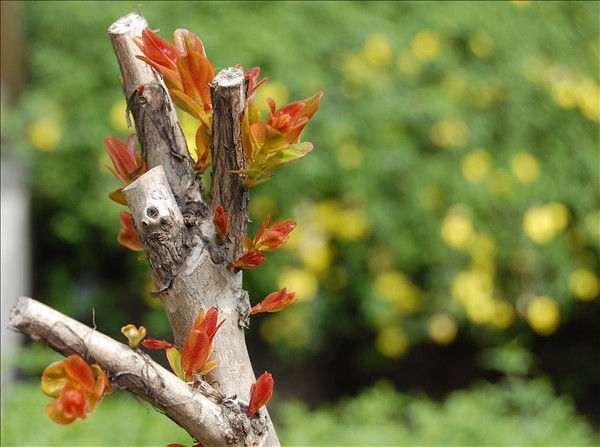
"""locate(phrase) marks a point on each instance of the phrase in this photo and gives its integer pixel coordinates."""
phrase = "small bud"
(133, 334)
(198, 345)
(221, 222)
(195, 352)
(274, 237)
(260, 393)
(248, 262)
(275, 302)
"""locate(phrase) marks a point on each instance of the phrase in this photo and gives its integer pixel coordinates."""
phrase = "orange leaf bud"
(260, 393)
(128, 164)
(221, 222)
(248, 262)
(275, 302)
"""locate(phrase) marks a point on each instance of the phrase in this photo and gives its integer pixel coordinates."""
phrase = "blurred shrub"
(512, 413)
(515, 412)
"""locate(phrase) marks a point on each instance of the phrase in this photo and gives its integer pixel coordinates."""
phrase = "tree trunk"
(188, 261)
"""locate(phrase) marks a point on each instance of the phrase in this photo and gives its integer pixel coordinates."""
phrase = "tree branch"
(228, 95)
(159, 224)
(156, 122)
(197, 283)
(203, 413)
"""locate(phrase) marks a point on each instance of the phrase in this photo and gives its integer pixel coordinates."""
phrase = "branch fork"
(188, 262)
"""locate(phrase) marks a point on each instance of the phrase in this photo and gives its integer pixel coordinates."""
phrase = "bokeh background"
(446, 257)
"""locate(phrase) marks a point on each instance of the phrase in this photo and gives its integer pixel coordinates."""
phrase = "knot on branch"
(159, 224)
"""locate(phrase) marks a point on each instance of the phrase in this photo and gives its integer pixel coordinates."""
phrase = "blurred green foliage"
(448, 215)
(511, 413)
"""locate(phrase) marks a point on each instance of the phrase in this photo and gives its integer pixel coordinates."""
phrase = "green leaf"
(54, 379)
(174, 358)
(288, 154)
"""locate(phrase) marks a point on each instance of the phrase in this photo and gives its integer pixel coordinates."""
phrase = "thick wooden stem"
(188, 262)
(204, 414)
(228, 94)
(159, 224)
(156, 122)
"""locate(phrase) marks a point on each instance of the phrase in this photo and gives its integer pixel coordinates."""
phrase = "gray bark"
(204, 414)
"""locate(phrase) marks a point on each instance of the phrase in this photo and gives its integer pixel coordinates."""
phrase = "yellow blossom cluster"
(312, 242)
(477, 167)
(397, 297)
(568, 89)
(474, 288)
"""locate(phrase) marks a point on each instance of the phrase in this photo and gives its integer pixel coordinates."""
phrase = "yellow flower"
(354, 225)
(395, 288)
(525, 167)
(520, 3)
(472, 283)
(452, 133)
(483, 248)
(584, 284)
(45, 133)
(588, 98)
(564, 93)
(480, 308)
(457, 230)
(314, 250)
(442, 328)
(503, 316)
(289, 327)
(482, 45)
(189, 126)
(377, 50)
(543, 315)
(117, 115)
(542, 223)
(347, 224)
(303, 282)
(392, 342)
(425, 45)
(349, 156)
(476, 165)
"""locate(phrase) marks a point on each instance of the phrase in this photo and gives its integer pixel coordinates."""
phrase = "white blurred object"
(15, 263)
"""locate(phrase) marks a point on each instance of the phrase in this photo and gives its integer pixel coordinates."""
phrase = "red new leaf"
(221, 223)
(275, 302)
(260, 393)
